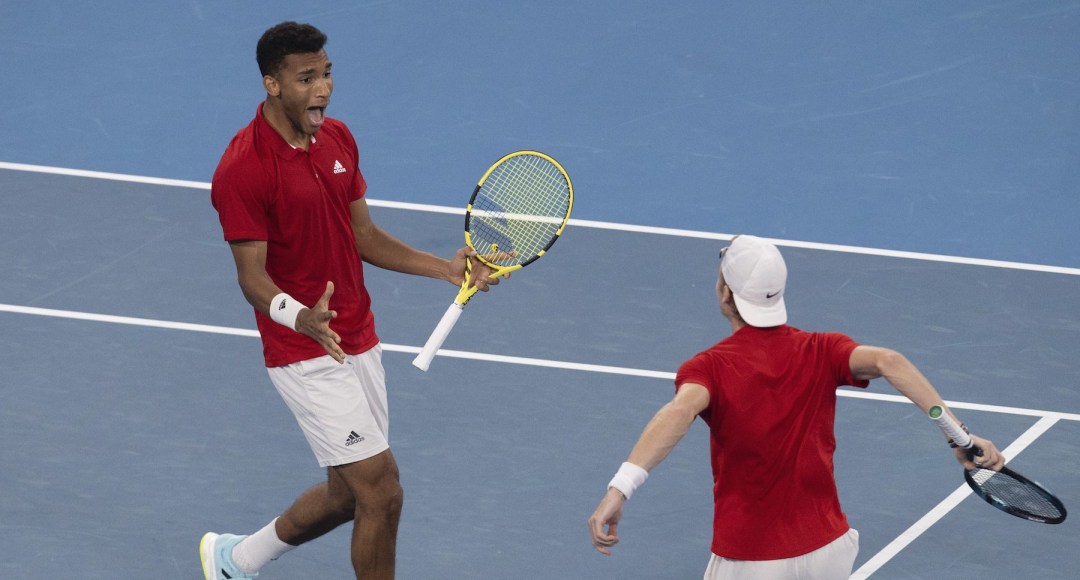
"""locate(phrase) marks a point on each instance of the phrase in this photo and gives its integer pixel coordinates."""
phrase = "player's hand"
(991, 458)
(464, 263)
(607, 515)
(314, 322)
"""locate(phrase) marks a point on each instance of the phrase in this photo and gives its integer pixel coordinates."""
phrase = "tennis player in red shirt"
(768, 395)
(290, 198)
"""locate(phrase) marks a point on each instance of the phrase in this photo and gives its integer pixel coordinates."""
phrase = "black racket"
(1006, 490)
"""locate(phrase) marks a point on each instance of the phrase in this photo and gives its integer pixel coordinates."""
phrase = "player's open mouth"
(316, 116)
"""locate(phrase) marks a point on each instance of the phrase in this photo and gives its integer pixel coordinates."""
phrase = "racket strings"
(1016, 494)
(532, 188)
(519, 210)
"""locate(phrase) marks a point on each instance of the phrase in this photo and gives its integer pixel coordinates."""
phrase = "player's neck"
(730, 312)
(281, 124)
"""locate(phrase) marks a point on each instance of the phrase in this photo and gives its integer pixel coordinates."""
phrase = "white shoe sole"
(208, 556)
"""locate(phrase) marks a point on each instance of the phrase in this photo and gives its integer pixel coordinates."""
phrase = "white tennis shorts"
(833, 561)
(341, 408)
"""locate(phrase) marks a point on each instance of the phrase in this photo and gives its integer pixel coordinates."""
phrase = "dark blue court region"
(915, 161)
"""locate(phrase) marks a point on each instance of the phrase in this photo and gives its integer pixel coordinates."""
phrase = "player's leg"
(341, 410)
(374, 482)
(328, 505)
(378, 497)
(320, 509)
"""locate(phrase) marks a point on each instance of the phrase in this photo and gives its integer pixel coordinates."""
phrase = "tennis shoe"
(215, 551)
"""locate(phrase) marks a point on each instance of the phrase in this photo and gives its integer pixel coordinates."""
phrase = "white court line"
(102, 175)
(580, 223)
(497, 358)
(127, 320)
(940, 510)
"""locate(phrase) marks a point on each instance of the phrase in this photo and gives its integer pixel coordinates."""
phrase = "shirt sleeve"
(840, 348)
(240, 196)
(698, 370)
(695, 370)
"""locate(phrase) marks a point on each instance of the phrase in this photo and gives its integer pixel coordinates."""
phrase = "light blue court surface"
(136, 415)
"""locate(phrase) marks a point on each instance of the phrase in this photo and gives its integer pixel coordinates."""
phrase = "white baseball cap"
(756, 273)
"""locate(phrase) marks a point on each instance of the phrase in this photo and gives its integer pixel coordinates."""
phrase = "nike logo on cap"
(767, 296)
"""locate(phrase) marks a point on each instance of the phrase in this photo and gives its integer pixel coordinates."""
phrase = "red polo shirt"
(772, 405)
(298, 203)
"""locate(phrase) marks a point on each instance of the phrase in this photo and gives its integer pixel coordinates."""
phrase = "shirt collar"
(270, 135)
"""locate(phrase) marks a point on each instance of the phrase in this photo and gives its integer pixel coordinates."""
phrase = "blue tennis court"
(915, 162)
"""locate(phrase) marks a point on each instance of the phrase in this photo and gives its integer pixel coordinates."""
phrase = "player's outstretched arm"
(663, 432)
(871, 362)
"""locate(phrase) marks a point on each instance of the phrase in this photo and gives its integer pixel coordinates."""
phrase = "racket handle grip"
(950, 427)
(438, 336)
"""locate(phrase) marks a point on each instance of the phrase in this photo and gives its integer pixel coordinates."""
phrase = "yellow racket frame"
(485, 255)
(467, 292)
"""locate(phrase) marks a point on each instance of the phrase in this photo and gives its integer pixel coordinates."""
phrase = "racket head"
(518, 210)
(1016, 495)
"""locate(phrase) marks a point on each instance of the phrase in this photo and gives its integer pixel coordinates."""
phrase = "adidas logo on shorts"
(353, 438)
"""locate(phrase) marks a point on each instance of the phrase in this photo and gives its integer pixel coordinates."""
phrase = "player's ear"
(728, 297)
(723, 291)
(273, 88)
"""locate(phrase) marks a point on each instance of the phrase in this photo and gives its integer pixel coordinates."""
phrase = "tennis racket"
(1006, 490)
(517, 211)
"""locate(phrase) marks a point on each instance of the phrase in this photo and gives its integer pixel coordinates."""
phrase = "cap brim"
(762, 316)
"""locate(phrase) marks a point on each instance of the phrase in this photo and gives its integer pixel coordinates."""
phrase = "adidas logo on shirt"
(338, 167)
(353, 437)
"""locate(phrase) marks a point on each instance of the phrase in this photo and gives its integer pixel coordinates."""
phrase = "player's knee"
(376, 488)
(384, 500)
(393, 498)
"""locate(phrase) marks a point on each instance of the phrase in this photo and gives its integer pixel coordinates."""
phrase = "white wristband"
(629, 478)
(283, 310)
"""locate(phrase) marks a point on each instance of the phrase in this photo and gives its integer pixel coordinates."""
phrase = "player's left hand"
(464, 263)
(607, 515)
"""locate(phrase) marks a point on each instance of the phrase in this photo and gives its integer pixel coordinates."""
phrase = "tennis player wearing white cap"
(768, 394)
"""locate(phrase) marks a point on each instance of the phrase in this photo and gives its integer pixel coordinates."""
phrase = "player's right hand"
(314, 322)
(991, 458)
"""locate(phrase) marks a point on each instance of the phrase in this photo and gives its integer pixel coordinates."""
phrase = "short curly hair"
(284, 39)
